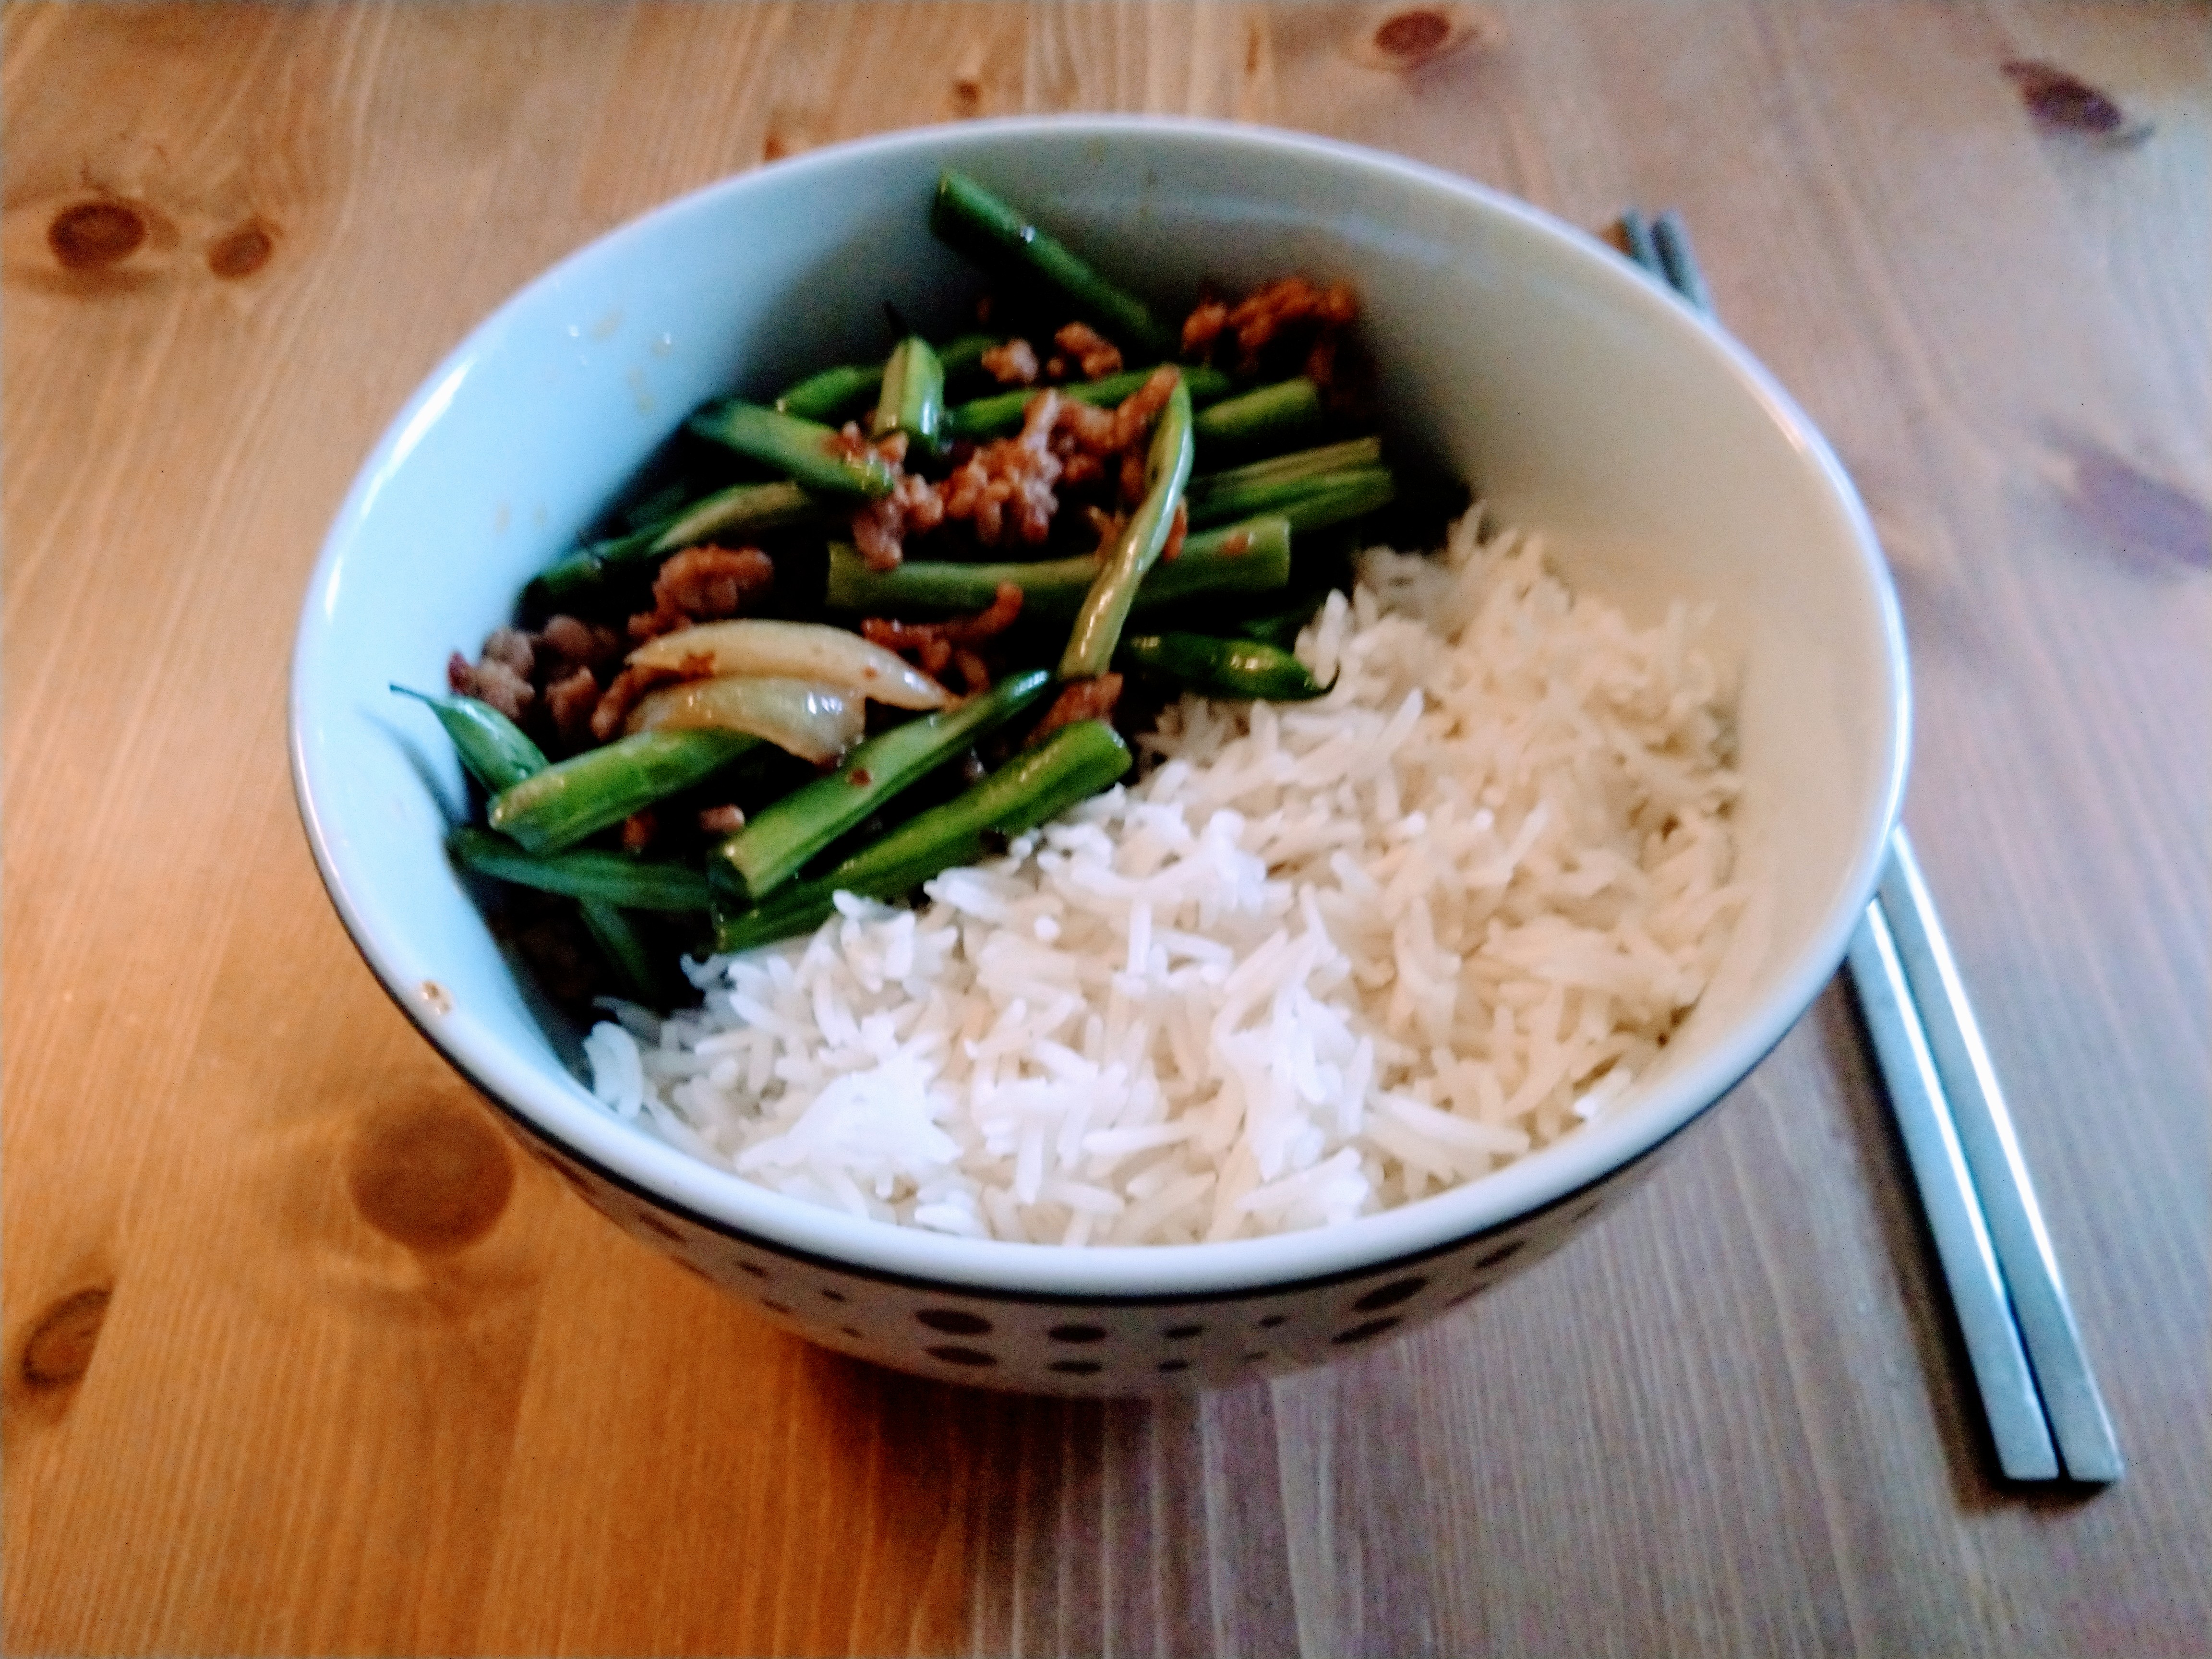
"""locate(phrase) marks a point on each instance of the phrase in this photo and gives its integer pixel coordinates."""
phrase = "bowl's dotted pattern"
(1073, 1347)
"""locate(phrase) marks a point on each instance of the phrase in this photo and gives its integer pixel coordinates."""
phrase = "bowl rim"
(559, 1109)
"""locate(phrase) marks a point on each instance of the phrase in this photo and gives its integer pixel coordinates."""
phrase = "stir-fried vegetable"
(833, 394)
(1273, 413)
(771, 848)
(913, 398)
(584, 872)
(1072, 765)
(1220, 668)
(816, 456)
(996, 415)
(802, 650)
(1106, 607)
(618, 940)
(894, 507)
(742, 511)
(980, 224)
(600, 787)
(815, 722)
(1276, 485)
(1249, 558)
(495, 750)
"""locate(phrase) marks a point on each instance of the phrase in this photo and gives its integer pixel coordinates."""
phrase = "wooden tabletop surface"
(301, 1359)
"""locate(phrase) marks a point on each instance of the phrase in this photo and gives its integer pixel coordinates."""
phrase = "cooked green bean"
(964, 354)
(499, 755)
(833, 394)
(584, 872)
(1097, 628)
(1074, 765)
(1270, 414)
(495, 750)
(545, 822)
(783, 836)
(1207, 490)
(1252, 557)
(1338, 498)
(1295, 499)
(1001, 414)
(612, 930)
(970, 218)
(1283, 626)
(587, 792)
(746, 510)
(912, 397)
(836, 393)
(1221, 668)
(813, 454)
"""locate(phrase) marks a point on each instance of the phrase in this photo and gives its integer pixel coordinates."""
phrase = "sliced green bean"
(495, 750)
(1299, 464)
(1071, 765)
(1074, 765)
(1252, 557)
(912, 400)
(618, 940)
(982, 225)
(963, 353)
(813, 454)
(1097, 628)
(1001, 414)
(747, 510)
(584, 872)
(1271, 414)
(587, 793)
(1282, 628)
(782, 837)
(838, 393)
(500, 755)
(1221, 668)
(834, 393)
(1288, 497)
(1338, 498)
(753, 509)
(656, 507)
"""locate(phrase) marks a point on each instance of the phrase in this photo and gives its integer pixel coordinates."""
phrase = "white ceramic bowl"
(1656, 457)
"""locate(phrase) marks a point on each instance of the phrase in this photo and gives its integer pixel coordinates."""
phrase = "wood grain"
(300, 1359)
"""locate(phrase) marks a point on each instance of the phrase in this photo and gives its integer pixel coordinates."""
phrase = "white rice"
(1323, 958)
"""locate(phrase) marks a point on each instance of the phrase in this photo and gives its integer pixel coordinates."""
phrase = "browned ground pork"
(1014, 363)
(1007, 490)
(501, 677)
(1004, 489)
(1082, 700)
(703, 584)
(1088, 350)
(1287, 320)
(550, 682)
(879, 529)
(932, 646)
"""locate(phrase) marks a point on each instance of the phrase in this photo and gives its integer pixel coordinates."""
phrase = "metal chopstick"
(1963, 1246)
(2076, 1410)
(2037, 1388)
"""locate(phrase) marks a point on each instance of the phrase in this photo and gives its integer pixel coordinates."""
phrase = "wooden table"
(300, 1359)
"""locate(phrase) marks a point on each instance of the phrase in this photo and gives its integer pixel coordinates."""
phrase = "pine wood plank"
(362, 1379)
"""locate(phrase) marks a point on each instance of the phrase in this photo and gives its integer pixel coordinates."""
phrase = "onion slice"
(815, 722)
(802, 650)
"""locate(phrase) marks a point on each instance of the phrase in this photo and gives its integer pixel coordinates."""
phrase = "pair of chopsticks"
(2045, 1413)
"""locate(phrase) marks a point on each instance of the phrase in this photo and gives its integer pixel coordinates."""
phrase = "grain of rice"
(1317, 960)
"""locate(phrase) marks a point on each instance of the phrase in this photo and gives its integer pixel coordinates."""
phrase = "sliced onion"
(803, 651)
(814, 721)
